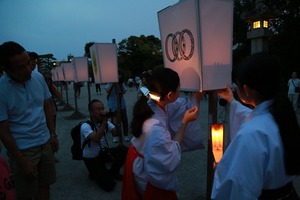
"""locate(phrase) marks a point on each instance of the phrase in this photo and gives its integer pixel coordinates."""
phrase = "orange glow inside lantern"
(217, 133)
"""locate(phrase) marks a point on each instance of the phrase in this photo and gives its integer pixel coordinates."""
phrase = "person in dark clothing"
(98, 88)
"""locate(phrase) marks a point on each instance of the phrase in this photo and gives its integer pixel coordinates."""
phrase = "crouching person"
(96, 152)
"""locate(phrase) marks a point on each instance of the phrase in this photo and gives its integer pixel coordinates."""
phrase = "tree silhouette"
(137, 54)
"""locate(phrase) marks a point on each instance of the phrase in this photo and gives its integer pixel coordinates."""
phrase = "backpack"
(76, 148)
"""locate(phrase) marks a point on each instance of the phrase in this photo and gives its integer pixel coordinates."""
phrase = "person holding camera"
(113, 107)
(97, 151)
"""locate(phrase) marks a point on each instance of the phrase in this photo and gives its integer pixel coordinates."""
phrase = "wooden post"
(89, 91)
(212, 118)
(75, 95)
(119, 124)
(67, 105)
(67, 97)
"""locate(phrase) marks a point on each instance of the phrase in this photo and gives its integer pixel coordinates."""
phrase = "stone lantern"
(259, 19)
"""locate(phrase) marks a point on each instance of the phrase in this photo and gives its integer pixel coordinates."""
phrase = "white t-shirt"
(253, 161)
(92, 150)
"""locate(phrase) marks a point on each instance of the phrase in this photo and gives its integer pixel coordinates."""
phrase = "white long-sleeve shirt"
(237, 116)
(162, 155)
(253, 161)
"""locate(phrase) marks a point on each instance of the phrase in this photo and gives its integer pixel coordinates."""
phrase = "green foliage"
(285, 28)
(137, 54)
(47, 61)
(88, 55)
(286, 40)
(87, 49)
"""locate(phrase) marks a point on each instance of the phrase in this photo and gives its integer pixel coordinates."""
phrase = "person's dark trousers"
(98, 170)
(99, 173)
(119, 154)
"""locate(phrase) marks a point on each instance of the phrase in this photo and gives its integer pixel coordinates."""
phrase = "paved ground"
(72, 177)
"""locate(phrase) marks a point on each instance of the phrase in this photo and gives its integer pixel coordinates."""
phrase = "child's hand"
(190, 115)
(227, 94)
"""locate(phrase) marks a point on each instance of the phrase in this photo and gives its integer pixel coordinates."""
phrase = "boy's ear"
(170, 96)
(248, 90)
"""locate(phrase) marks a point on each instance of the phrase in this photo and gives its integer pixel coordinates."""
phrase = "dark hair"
(140, 112)
(92, 102)
(162, 81)
(262, 73)
(33, 55)
(145, 74)
(7, 51)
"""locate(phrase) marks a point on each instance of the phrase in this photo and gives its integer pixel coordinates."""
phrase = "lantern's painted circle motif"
(180, 43)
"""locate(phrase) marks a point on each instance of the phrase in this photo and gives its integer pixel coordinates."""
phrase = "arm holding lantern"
(238, 112)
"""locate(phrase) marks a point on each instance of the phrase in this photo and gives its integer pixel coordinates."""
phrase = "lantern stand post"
(67, 106)
(76, 114)
(61, 102)
(119, 108)
(119, 121)
(212, 119)
(75, 96)
(89, 91)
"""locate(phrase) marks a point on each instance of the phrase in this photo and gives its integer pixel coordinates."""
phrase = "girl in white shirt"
(262, 159)
(154, 155)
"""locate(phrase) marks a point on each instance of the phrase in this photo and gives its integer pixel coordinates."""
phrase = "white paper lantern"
(104, 62)
(68, 71)
(54, 76)
(196, 38)
(60, 74)
(80, 66)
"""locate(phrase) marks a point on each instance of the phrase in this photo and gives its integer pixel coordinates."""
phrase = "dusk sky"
(63, 27)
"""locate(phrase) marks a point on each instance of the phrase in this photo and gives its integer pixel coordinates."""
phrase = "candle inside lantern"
(217, 132)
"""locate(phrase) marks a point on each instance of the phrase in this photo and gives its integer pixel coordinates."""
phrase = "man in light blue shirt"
(27, 123)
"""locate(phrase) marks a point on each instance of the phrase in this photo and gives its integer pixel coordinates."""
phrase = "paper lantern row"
(104, 64)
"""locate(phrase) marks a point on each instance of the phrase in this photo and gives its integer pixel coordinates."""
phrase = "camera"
(109, 114)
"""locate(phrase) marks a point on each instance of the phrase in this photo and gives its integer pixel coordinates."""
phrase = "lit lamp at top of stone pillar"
(259, 19)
